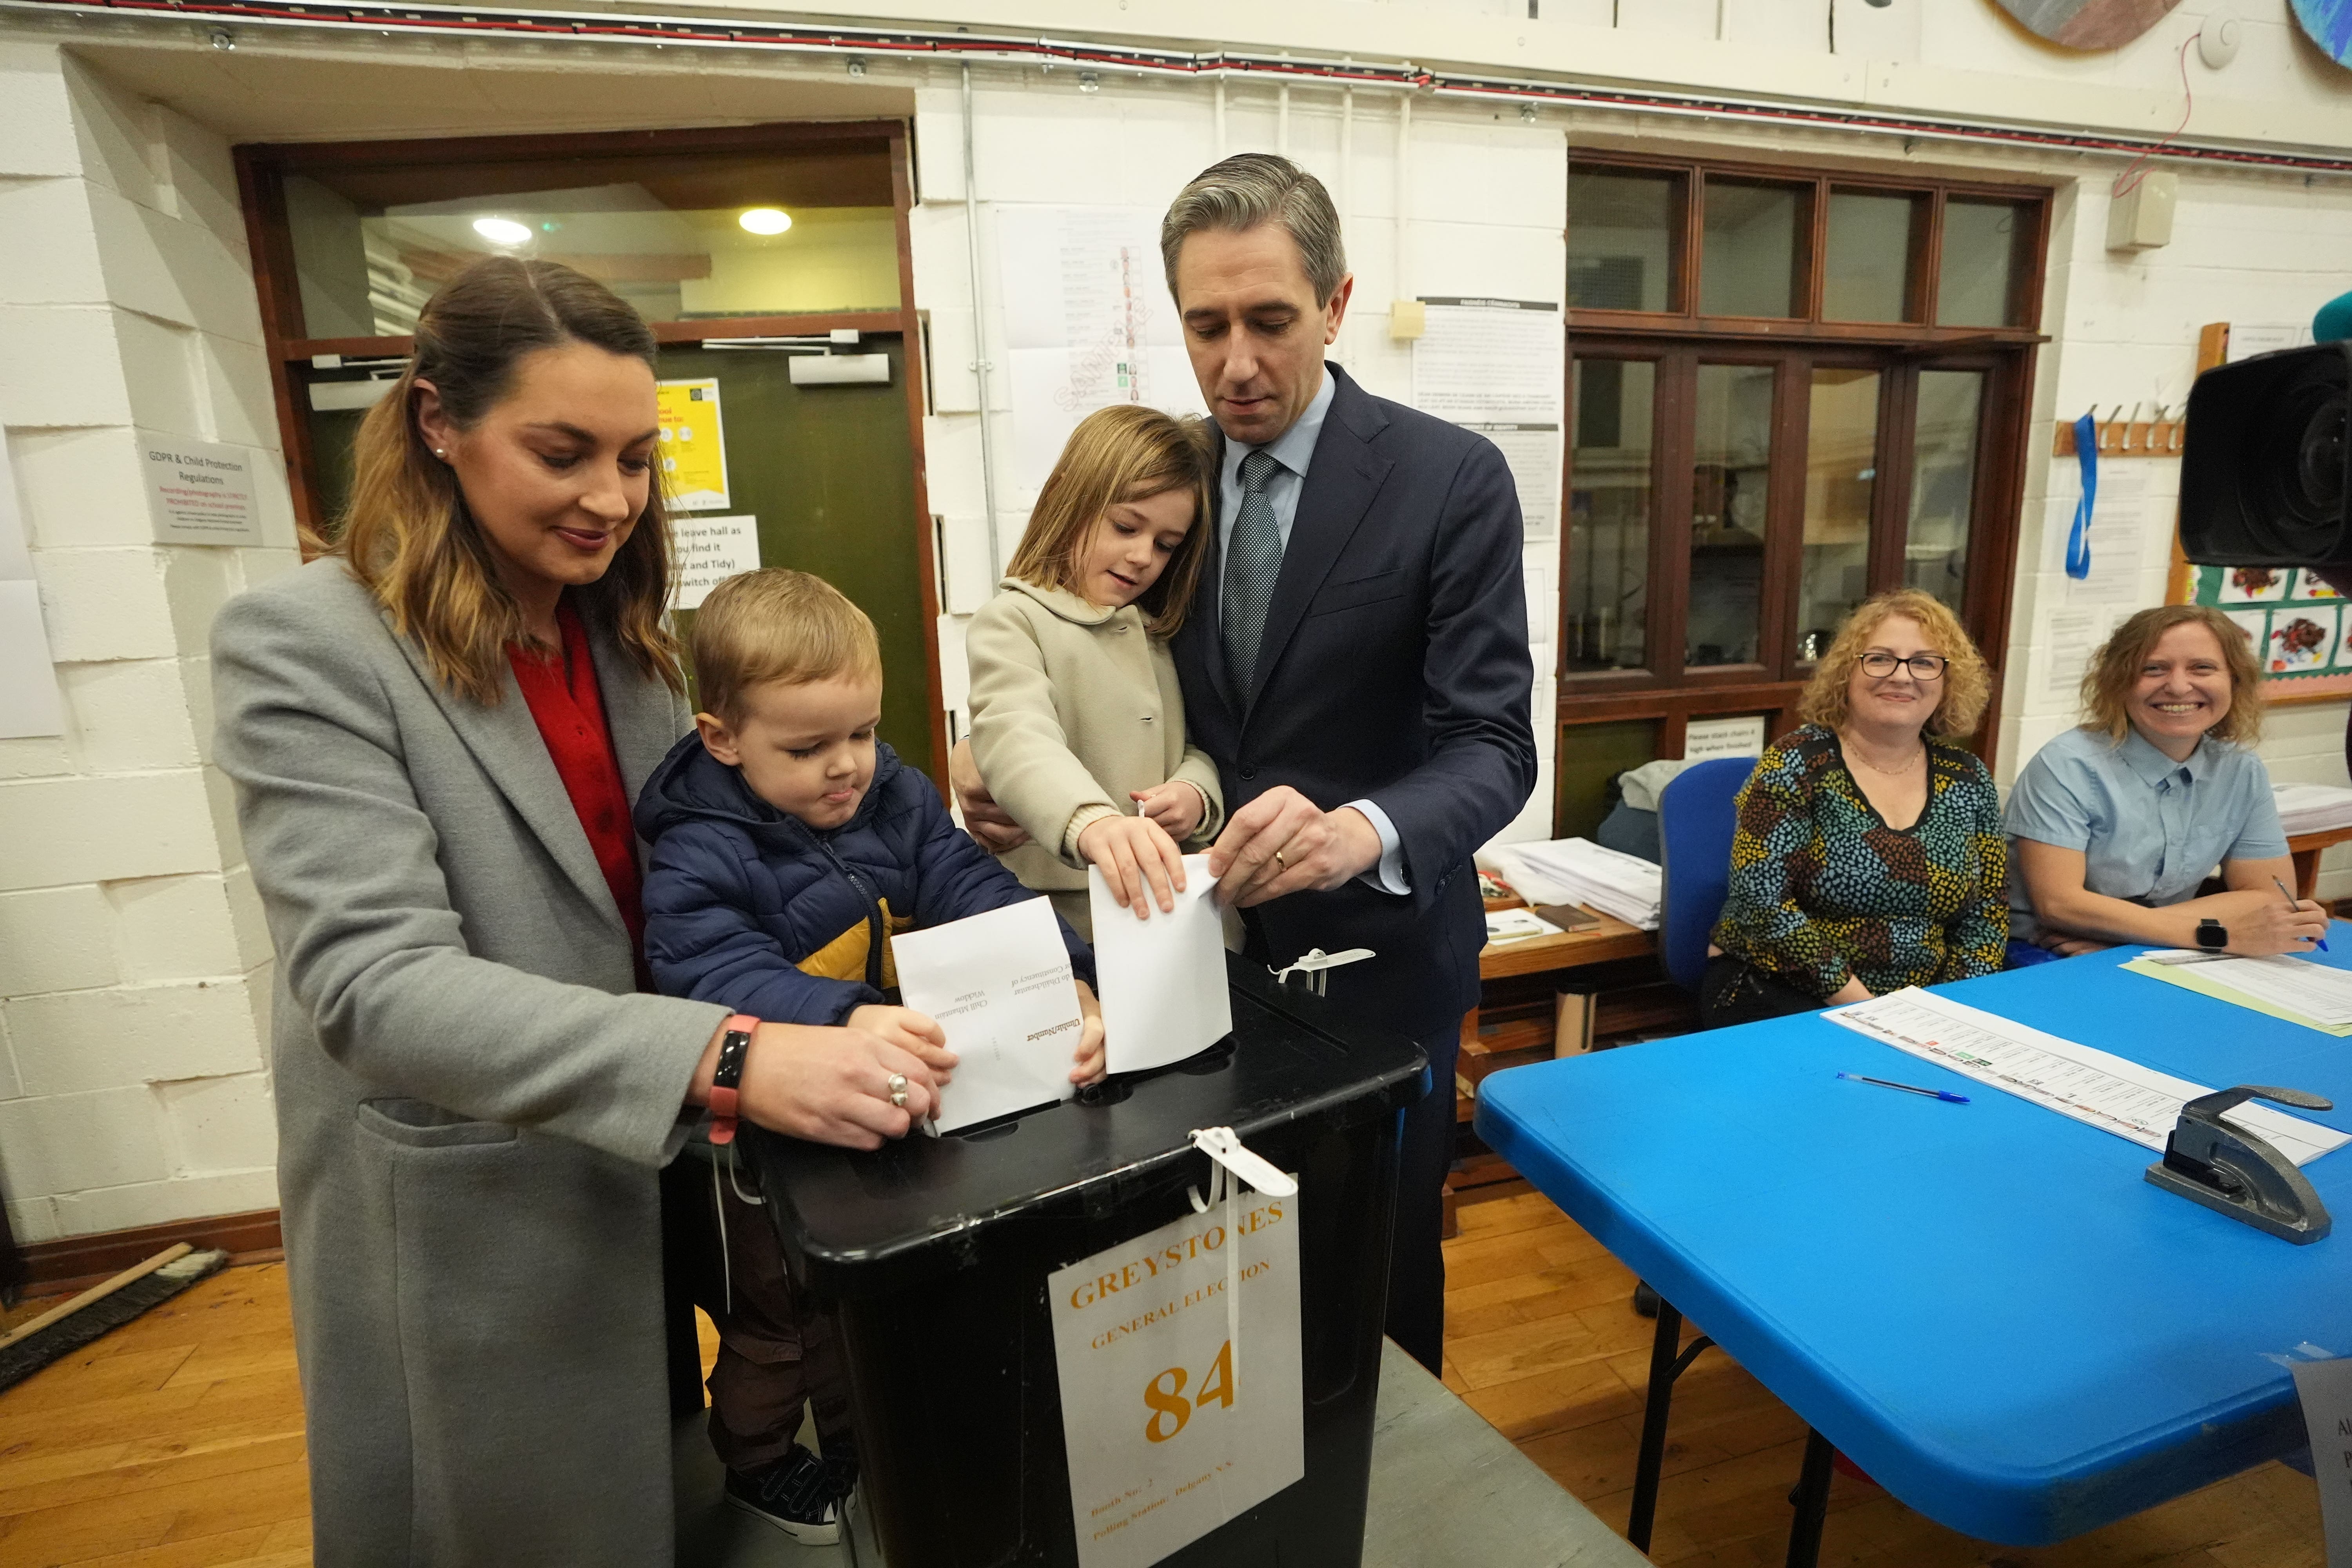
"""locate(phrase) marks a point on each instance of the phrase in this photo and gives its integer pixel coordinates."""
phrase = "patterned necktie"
(1253, 560)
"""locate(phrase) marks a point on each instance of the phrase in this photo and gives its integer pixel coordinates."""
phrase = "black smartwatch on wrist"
(727, 1078)
(2212, 935)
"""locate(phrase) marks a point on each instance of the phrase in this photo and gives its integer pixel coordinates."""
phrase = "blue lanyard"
(2078, 540)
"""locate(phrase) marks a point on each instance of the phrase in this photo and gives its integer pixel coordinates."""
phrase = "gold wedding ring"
(1280, 861)
(899, 1089)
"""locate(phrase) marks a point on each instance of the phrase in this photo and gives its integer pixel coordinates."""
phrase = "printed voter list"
(1174, 1422)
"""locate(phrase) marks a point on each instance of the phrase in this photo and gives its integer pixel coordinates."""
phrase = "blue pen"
(1907, 1087)
(2320, 942)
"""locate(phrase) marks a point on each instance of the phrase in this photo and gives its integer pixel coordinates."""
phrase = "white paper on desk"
(2325, 1389)
(2092, 1086)
(1162, 979)
(1000, 985)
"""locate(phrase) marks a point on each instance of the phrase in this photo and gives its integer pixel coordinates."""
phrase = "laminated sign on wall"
(1178, 1354)
(693, 445)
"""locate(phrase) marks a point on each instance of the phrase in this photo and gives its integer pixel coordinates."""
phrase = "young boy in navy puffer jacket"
(788, 845)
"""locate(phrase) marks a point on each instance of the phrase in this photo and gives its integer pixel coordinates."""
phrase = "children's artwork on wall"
(2329, 23)
(2309, 584)
(2098, 24)
(2252, 584)
(2301, 638)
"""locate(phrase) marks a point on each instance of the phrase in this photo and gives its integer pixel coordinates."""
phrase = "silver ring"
(899, 1089)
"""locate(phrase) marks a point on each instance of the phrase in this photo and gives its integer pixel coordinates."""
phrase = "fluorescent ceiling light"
(502, 230)
(766, 220)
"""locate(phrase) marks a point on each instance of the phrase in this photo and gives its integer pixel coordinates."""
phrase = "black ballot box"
(932, 1255)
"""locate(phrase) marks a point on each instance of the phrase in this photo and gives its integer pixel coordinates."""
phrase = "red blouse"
(561, 689)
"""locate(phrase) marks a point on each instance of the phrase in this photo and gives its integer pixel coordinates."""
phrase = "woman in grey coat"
(473, 1099)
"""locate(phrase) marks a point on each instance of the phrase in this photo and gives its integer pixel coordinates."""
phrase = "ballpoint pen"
(2293, 903)
(1907, 1087)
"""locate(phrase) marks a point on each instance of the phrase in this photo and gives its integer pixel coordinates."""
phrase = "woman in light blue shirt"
(2114, 826)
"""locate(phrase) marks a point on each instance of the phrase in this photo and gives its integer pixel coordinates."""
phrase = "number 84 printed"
(1170, 1409)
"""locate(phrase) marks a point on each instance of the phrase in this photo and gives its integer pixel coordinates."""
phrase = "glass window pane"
(680, 237)
(1867, 275)
(1620, 239)
(1943, 482)
(1841, 477)
(1748, 265)
(1608, 515)
(1981, 257)
(1733, 461)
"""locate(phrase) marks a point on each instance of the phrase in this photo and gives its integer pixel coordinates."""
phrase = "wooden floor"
(176, 1442)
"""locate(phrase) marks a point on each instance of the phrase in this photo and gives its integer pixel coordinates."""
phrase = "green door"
(830, 473)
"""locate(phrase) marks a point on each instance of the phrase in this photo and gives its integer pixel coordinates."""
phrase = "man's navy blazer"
(1394, 667)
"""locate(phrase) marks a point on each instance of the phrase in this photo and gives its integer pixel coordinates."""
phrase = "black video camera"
(2264, 479)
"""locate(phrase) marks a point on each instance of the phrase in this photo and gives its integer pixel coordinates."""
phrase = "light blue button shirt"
(1292, 451)
(2150, 829)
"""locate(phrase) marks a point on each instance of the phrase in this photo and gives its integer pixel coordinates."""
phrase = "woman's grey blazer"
(472, 1099)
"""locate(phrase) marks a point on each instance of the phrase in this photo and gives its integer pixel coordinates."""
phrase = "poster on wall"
(2296, 622)
(1087, 323)
(2087, 23)
(1499, 367)
(199, 492)
(709, 551)
(693, 445)
(2329, 23)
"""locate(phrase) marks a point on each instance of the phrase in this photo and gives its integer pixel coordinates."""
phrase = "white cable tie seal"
(1316, 961)
(1224, 1146)
(1231, 1165)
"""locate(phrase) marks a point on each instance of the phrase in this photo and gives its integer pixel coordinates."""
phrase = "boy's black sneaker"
(790, 1494)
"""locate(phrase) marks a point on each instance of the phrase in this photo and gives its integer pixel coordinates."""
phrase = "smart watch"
(733, 1047)
(2212, 935)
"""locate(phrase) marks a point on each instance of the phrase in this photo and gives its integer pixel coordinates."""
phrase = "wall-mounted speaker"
(2263, 478)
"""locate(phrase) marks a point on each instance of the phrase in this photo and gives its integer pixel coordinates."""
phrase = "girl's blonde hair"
(1122, 453)
(1967, 685)
(2114, 669)
(406, 532)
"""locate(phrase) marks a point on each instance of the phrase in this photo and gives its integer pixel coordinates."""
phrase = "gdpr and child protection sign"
(1175, 1422)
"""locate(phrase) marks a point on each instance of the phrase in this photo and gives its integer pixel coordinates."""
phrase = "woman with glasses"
(2118, 822)
(1869, 853)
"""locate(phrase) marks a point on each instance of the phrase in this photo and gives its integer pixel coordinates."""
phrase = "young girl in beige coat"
(1077, 724)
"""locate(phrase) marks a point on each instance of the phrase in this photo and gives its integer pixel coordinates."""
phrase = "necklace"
(1907, 764)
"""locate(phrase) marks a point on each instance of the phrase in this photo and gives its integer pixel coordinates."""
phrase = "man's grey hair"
(1251, 188)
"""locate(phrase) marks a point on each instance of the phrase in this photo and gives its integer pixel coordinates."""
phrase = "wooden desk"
(2303, 846)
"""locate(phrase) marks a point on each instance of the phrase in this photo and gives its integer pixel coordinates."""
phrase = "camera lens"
(2294, 487)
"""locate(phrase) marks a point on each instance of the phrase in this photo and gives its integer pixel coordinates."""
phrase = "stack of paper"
(2313, 808)
(1578, 872)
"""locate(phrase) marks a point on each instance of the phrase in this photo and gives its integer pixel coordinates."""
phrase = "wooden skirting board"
(75, 1261)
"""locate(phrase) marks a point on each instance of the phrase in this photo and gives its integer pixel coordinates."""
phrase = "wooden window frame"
(1682, 338)
(261, 171)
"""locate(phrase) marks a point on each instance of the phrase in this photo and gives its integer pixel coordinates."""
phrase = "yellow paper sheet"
(693, 446)
(2186, 976)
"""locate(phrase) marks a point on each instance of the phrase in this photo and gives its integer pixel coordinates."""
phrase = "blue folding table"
(1985, 1306)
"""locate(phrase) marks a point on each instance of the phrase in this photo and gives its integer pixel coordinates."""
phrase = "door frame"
(261, 171)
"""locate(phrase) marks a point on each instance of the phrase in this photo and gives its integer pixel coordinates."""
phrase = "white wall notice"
(709, 551)
(1173, 1421)
(200, 493)
(1087, 323)
(1743, 736)
(29, 703)
(1497, 366)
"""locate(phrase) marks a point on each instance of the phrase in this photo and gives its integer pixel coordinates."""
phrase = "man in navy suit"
(1357, 659)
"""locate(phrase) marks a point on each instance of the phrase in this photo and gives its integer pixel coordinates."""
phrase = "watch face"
(2211, 933)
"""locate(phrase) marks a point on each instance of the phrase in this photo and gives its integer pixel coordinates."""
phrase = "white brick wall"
(134, 969)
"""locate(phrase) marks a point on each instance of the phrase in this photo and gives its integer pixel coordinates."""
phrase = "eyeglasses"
(1924, 665)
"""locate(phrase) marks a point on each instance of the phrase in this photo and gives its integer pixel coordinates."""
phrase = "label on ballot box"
(2325, 1388)
(1180, 1399)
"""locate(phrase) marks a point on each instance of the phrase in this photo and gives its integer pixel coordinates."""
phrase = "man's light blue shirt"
(2150, 829)
(1292, 451)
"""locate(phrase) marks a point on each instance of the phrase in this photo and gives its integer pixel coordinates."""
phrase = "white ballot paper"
(1180, 1404)
(1162, 979)
(1000, 985)
(2091, 1085)
(2325, 1388)
(2318, 992)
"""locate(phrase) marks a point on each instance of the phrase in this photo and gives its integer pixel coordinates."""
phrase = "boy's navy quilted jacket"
(749, 908)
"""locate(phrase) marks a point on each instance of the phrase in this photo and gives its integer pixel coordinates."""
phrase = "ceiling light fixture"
(502, 230)
(765, 220)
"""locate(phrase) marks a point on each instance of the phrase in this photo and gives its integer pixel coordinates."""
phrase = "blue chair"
(1694, 824)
